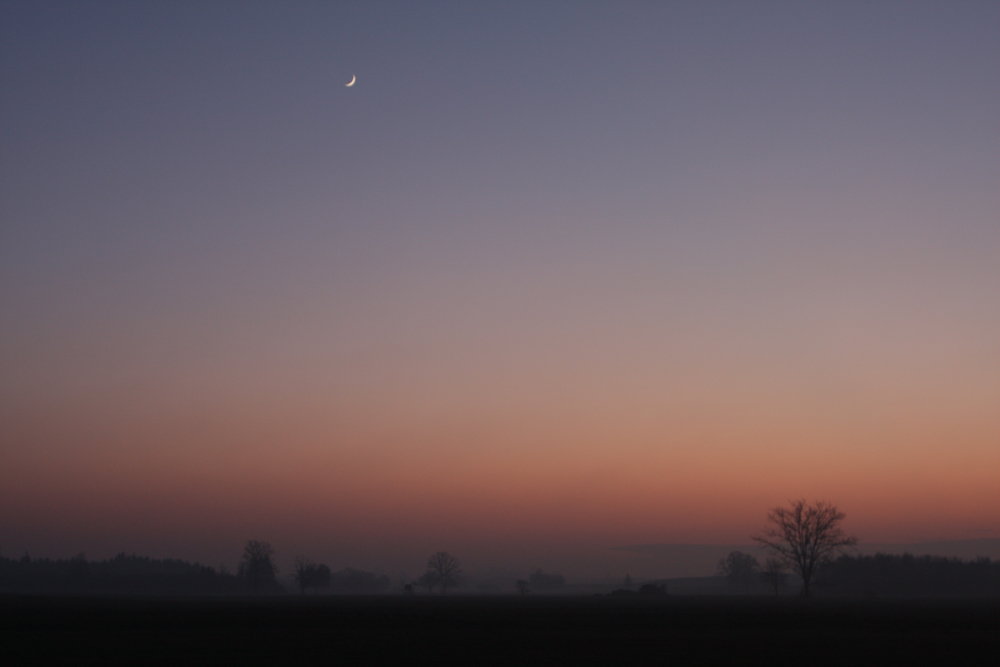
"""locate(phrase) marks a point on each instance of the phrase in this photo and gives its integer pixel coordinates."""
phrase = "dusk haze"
(547, 281)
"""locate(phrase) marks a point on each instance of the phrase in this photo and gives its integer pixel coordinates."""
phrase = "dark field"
(495, 631)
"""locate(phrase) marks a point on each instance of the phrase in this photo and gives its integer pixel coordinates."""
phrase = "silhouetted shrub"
(646, 590)
(653, 589)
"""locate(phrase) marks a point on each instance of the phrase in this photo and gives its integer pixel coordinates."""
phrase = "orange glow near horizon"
(568, 476)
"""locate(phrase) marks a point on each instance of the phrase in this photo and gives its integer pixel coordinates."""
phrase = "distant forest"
(856, 576)
(908, 575)
(138, 575)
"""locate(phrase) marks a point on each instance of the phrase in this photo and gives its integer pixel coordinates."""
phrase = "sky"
(549, 279)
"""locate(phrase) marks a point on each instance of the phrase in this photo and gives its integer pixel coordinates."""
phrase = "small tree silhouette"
(805, 536)
(653, 589)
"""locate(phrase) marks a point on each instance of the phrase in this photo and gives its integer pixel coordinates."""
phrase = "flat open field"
(494, 630)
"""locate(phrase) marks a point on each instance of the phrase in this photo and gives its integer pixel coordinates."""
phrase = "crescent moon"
(353, 80)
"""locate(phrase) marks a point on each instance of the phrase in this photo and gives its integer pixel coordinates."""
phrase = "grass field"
(495, 631)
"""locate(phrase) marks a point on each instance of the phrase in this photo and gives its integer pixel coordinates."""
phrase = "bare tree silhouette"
(805, 536)
(444, 570)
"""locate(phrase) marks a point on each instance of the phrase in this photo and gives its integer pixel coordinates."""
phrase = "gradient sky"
(551, 278)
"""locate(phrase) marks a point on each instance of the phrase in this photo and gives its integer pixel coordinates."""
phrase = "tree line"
(126, 574)
(803, 538)
(894, 575)
(888, 575)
